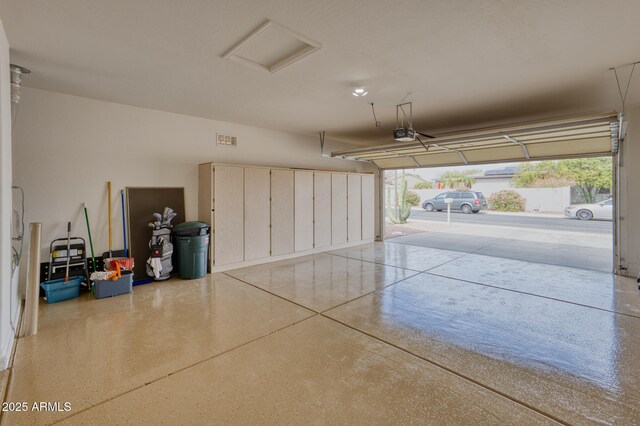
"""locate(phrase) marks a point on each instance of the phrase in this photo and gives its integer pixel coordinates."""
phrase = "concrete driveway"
(537, 239)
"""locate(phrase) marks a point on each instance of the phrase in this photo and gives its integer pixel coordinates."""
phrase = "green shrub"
(423, 185)
(413, 199)
(507, 200)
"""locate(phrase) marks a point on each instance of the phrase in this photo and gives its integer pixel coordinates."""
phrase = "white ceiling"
(463, 63)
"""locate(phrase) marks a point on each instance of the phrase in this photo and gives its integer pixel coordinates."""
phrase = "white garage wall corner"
(66, 148)
(630, 194)
(9, 296)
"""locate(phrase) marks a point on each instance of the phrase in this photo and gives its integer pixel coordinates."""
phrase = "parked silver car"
(601, 210)
(465, 201)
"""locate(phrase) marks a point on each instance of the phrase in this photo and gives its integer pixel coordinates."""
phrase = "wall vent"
(226, 140)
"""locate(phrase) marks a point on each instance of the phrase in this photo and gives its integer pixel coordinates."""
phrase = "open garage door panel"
(593, 135)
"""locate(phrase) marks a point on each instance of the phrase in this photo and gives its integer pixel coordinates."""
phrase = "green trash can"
(191, 248)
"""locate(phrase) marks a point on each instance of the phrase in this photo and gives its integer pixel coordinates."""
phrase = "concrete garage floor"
(384, 333)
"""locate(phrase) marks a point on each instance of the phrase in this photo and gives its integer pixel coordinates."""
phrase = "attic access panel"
(271, 47)
(592, 135)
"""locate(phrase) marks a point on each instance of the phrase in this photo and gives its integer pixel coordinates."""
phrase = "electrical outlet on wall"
(226, 140)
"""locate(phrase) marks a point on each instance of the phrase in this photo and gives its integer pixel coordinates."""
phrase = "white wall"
(550, 200)
(630, 195)
(489, 186)
(545, 200)
(9, 299)
(66, 148)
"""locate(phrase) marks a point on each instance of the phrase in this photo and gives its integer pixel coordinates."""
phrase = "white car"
(601, 210)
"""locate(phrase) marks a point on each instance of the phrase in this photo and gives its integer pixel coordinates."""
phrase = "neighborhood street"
(548, 223)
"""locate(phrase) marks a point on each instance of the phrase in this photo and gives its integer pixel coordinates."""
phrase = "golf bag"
(159, 265)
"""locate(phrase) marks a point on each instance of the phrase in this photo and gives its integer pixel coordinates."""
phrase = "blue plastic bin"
(110, 288)
(59, 290)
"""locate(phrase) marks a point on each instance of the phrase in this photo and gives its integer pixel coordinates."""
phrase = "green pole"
(93, 260)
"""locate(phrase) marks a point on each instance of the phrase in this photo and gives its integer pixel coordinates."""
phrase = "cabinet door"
(205, 203)
(338, 208)
(257, 213)
(281, 212)
(322, 209)
(303, 210)
(368, 208)
(354, 208)
(229, 215)
(205, 192)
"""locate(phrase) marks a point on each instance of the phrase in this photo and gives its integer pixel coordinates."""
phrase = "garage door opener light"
(404, 125)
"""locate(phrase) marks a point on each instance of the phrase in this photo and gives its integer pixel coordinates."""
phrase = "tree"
(454, 180)
(423, 185)
(533, 175)
(589, 175)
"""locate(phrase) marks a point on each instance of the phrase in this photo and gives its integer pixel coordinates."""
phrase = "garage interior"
(274, 123)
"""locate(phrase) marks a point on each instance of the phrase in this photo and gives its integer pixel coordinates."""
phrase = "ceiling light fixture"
(359, 91)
